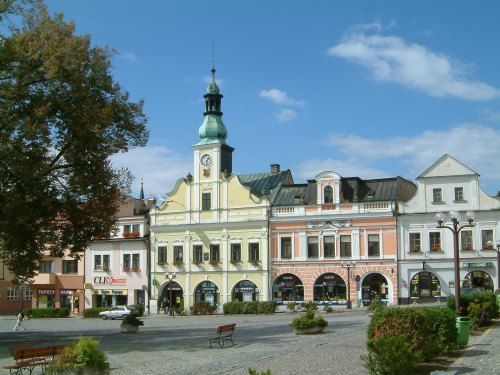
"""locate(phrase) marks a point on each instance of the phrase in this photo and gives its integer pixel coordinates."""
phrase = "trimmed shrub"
(203, 308)
(132, 320)
(139, 308)
(93, 312)
(250, 307)
(487, 301)
(27, 312)
(329, 309)
(62, 312)
(291, 306)
(391, 355)
(310, 306)
(375, 304)
(442, 323)
(267, 307)
(308, 320)
(252, 371)
(84, 355)
(254, 307)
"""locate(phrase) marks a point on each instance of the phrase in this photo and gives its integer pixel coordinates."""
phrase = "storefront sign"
(109, 280)
(67, 292)
(46, 291)
(477, 264)
(112, 292)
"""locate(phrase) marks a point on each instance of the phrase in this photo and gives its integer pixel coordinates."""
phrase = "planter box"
(125, 328)
(310, 331)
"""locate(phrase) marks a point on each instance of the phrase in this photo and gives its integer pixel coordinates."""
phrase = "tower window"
(328, 193)
(205, 201)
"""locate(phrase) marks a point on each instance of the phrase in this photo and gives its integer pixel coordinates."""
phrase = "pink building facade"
(319, 227)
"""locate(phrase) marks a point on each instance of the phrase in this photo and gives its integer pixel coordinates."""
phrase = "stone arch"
(255, 296)
(390, 287)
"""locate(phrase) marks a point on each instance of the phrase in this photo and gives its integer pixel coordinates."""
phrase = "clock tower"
(212, 156)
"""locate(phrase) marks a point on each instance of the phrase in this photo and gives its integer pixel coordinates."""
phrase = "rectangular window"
(205, 201)
(27, 294)
(136, 262)
(197, 253)
(312, 247)
(487, 239)
(214, 253)
(437, 195)
(373, 245)
(235, 252)
(459, 194)
(70, 266)
(435, 241)
(126, 262)
(12, 293)
(286, 248)
(466, 239)
(136, 228)
(105, 262)
(253, 252)
(345, 246)
(415, 246)
(329, 246)
(178, 254)
(127, 228)
(162, 254)
(47, 266)
(97, 262)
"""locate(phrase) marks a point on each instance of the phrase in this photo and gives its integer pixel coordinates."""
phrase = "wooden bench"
(225, 334)
(28, 358)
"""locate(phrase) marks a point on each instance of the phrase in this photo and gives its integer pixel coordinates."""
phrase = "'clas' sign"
(109, 280)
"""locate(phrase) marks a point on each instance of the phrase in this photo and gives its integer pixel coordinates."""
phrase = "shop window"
(253, 252)
(235, 252)
(373, 245)
(345, 246)
(288, 287)
(466, 239)
(47, 266)
(197, 253)
(70, 266)
(12, 293)
(459, 194)
(437, 195)
(178, 254)
(328, 194)
(329, 246)
(415, 246)
(487, 239)
(312, 247)
(425, 284)
(214, 253)
(435, 241)
(205, 201)
(136, 262)
(162, 254)
(286, 248)
(126, 262)
(245, 291)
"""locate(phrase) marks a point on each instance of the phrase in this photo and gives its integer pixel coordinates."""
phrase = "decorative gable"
(447, 166)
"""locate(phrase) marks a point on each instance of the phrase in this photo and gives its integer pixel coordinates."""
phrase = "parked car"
(117, 312)
(471, 290)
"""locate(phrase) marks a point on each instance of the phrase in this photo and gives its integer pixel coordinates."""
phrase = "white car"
(117, 312)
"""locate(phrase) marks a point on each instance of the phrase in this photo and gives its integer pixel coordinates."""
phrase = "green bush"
(254, 307)
(391, 355)
(267, 307)
(27, 312)
(329, 309)
(62, 312)
(442, 324)
(203, 308)
(252, 371)
(310, 306)
(84, 354)
(291, 306)
(93, 312)
(139, 308)
(132, 320)
(308, 320)
(490, 309)
(250, 307)
(375, 304)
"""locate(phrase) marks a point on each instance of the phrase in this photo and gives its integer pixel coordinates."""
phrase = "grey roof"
(261, 184)
(353, 189)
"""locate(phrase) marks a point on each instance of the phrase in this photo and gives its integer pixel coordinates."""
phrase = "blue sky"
(369, 89)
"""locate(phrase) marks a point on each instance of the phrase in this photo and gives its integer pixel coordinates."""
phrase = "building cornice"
(219, 225)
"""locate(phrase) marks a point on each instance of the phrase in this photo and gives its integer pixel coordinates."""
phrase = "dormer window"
(328, 195)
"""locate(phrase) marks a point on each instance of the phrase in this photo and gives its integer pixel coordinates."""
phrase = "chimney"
(275, 168)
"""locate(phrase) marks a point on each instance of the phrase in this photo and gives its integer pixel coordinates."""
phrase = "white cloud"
(159, 167)
(392, 59)
(280, 97)
(129, 56)
(489, 115)
(347, 168)
(475, 145)
(285, 115)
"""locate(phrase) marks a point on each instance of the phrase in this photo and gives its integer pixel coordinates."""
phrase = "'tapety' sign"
(109, 280)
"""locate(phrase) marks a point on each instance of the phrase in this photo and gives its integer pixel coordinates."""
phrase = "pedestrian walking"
(166, 305)
(19, 324)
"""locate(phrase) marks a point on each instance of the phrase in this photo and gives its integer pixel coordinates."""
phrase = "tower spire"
(141, 196)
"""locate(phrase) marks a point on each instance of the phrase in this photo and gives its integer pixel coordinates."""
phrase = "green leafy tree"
(62, 116)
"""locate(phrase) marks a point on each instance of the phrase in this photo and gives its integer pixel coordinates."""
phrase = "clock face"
(206, 160)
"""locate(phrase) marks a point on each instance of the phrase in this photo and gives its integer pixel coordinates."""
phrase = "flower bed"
(308, 323)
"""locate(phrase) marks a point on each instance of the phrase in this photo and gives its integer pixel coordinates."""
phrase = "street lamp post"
(455, 229)
(348, 266)
(170, 278)
(497, 244)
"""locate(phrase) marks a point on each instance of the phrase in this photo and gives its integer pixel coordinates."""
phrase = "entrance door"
(177, 295)
(374, 286)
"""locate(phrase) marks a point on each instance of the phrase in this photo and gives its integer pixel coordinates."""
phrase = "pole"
(457, 267)
(349, 306)
(498, 267)
(171, 311)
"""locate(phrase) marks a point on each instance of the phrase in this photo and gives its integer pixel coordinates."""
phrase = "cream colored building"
(212, 229)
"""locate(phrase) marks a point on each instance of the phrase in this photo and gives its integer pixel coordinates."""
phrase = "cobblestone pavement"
(483, 354)
(179, 345)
